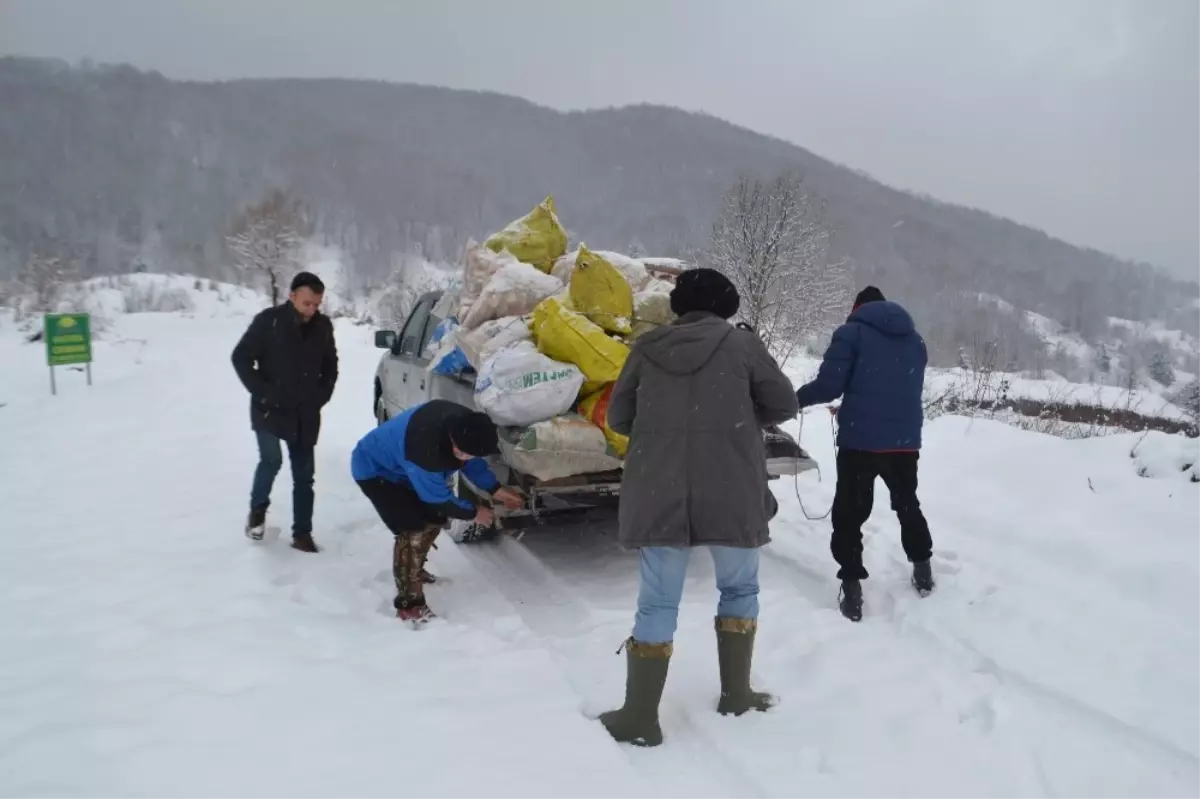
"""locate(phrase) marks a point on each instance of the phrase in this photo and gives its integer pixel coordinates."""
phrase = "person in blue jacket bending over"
(876, 364)
(405, 467)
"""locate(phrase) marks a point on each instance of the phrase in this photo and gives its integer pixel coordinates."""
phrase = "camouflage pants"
(408, 559)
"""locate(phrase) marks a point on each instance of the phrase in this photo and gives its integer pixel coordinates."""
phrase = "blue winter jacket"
(414, 448)
(876, 363)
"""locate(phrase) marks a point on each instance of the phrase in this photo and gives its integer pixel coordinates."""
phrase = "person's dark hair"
(308, 280)
(705, 290)
(474, 433)
(869, 294)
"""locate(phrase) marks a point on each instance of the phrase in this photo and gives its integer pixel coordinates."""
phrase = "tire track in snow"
(1042, 694)
(555, 613)
(1131, 735)
(895, 608)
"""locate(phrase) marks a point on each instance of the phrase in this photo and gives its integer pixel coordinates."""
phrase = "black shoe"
(256, 523)
(850, 600)
(922, 577)
(304, 542)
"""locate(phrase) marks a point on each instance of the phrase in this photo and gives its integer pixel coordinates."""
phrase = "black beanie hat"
(474, 433)
(705, 290)
(869, 294)
(308, 280)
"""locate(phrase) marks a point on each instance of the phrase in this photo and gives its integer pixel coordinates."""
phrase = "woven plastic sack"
(601, 293)
(489, 338)
(569, 337)
(481, 264)
(514, 290)
(519, 386)
(594, 408)
(652, 308)
(536, 238)
(633, 270)
(564, 446)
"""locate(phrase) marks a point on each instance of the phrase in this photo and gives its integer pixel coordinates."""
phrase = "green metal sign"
(68, 338)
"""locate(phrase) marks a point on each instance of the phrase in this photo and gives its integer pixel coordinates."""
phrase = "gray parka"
(693, 397)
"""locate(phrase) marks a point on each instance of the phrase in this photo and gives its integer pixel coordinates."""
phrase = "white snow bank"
(968, 384)
(113, 295)
(1166, 457)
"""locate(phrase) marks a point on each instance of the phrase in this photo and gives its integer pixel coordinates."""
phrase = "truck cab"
(402, 378)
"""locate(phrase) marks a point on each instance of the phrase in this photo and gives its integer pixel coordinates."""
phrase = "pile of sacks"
(547, 333)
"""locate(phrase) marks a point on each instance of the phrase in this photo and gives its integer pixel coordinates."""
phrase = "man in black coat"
(287, 359)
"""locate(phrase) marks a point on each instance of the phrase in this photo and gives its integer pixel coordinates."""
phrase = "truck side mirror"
(385, 339)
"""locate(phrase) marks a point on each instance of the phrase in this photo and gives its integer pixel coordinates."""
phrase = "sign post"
(68, 341)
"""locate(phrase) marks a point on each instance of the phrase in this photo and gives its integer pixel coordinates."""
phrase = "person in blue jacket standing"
(405, 467)
(876, 364)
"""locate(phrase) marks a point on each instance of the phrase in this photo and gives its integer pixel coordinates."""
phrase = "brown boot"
(735, 651)
(427, 543)
(304, 542)
(406, 571)
(637, 720)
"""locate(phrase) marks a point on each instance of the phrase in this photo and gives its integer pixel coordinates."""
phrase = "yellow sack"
(569, 337)
(536, 238)
(594, 408)
(601, 293)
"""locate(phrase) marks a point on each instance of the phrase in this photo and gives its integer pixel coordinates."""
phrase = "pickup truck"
(403, 379)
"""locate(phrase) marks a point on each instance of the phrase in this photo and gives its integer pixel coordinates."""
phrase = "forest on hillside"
(116, 170)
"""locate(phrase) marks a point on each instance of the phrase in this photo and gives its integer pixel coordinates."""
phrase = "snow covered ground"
(150, 649)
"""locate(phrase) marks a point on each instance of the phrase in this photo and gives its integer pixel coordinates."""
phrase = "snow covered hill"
(150, 649)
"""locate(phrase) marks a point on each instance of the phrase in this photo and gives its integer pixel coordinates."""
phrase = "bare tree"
(266, 239)
(771, 241)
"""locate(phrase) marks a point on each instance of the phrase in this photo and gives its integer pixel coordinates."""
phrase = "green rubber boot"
(637, 721)
(735, 650)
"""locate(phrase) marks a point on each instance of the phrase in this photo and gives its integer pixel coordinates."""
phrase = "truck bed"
(566, 500)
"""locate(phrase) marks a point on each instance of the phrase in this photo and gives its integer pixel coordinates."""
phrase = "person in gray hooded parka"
(693, 397)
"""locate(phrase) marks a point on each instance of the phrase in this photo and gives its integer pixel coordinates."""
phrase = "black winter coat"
(290, 367)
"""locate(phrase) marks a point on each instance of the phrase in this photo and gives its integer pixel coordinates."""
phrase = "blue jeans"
(270, 461)
(663, 570)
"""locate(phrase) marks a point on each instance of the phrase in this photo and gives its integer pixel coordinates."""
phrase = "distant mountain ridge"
(119, 166)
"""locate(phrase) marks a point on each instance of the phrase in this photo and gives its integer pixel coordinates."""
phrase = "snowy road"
(150, 646)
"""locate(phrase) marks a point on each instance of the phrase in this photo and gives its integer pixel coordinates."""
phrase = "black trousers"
(855, 497)
(399, 507)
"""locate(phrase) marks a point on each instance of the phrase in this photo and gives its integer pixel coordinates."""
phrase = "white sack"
(489, 338)
(519, 386)
(560, 447)
(514, 290)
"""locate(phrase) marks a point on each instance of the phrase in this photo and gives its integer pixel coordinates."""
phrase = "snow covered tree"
(152, 254)
(1188, 398)
(45, 279)
(266, 240)
(1160, 368)
(771, 241)
(408, 283)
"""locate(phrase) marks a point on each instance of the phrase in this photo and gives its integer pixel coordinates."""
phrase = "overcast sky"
(1081, 117)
